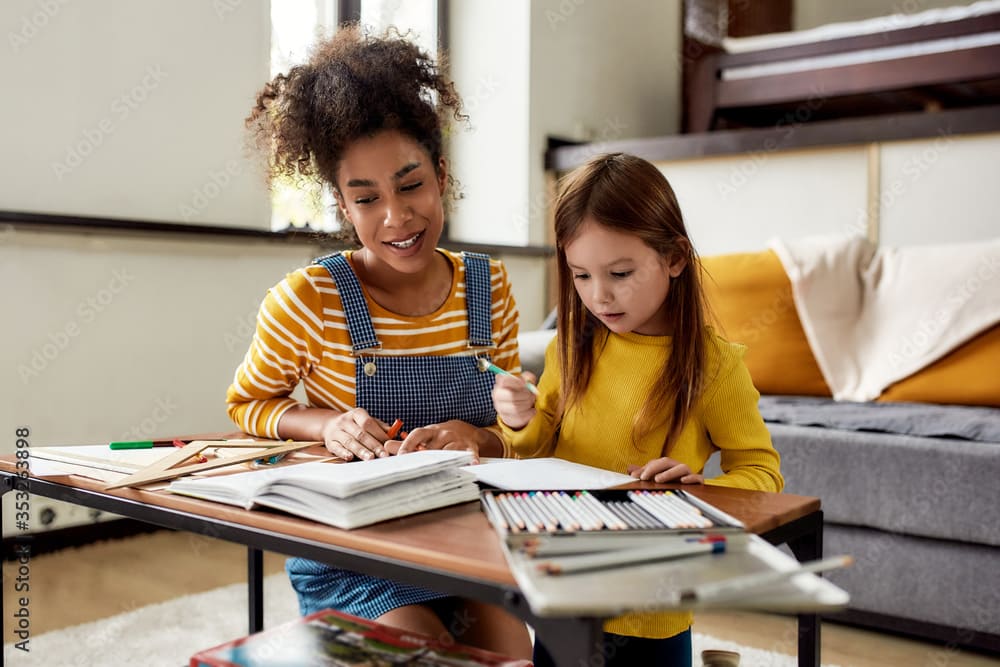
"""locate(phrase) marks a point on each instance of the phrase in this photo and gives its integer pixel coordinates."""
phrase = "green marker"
(141, 444)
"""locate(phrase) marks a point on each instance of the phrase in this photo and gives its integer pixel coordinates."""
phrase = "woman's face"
(390, 190)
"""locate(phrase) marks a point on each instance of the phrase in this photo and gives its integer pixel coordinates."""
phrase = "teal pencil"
(487, 365)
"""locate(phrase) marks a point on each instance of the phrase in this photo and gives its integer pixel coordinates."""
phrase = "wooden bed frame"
(953, 79)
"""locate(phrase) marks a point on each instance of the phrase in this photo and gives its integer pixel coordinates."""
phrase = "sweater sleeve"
(538, 437)
(286, 345)
(735, 426)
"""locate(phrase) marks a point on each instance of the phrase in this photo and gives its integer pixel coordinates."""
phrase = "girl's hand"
(665, 470)
(355, 433)
(514, 403)
(454, 434)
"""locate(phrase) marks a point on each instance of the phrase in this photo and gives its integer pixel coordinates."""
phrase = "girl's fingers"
(656, 467)
(673, 474)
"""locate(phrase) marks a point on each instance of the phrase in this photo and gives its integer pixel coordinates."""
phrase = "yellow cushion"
(749, 298)
(967, 376)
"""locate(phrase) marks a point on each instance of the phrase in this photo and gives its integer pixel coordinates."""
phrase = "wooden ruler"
(164, 468)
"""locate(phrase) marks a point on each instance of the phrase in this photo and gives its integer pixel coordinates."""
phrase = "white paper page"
(102, 456)
(549, 474)
(46, 468)
(335, 479)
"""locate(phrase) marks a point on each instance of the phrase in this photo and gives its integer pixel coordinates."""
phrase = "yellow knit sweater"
(598, 431)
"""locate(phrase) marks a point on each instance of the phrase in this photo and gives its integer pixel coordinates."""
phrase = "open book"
(346, 495)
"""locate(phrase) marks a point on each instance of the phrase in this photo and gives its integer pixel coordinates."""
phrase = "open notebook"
(346, 495)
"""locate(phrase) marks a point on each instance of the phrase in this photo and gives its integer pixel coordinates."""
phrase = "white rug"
(169, 633)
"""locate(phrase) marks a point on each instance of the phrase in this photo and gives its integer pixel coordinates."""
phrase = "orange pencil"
(395, 429)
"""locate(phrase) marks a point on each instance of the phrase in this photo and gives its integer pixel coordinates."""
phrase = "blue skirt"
(320, 587)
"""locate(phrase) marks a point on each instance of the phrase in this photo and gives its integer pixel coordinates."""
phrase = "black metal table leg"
(806, 547)
(574, 643)
(255, 588)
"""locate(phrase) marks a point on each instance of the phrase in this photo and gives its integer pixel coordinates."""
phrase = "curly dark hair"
(354, 85)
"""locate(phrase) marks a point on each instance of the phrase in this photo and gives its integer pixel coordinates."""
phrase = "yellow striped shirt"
(302, 336)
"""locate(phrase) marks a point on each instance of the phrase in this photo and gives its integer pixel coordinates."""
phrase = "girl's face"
(621, 280)
(389, 189)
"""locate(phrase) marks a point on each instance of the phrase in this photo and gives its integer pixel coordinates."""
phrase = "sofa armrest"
(532, 345)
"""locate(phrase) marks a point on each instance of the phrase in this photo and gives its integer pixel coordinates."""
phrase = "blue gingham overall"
(420, 391)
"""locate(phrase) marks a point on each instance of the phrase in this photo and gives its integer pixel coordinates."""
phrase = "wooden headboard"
(933, 66)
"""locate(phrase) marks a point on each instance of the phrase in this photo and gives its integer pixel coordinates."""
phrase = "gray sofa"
(912, 491)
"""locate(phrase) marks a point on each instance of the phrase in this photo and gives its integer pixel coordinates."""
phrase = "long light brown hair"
(629, 195)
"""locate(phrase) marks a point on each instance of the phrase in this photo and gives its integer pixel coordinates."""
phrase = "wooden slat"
(901, 73)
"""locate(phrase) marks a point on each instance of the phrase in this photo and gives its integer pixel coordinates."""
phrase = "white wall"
(122, 337)
(132, 109)
(600, 71)
(490, 63)
(940, 190)
(527, 70)
(737, 203)
(926, 191)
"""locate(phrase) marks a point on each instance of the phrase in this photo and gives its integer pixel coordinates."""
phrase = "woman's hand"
(666, 469)
(355, 433)
(514, 403)
(454, 434)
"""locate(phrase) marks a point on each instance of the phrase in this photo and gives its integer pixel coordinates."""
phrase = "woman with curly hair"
(391, 329)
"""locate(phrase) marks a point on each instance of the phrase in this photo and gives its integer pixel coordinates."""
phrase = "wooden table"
(453, 550)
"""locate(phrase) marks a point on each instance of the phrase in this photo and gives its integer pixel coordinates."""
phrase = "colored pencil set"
(568, 532)
(574, 511)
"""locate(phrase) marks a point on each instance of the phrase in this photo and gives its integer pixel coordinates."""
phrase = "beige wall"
(132, 109)
(926, 191)
(529, 69)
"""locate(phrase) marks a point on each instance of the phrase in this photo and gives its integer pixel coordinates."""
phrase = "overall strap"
(478, 299)
(359, 321)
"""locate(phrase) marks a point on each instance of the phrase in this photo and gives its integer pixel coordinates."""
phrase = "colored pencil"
(487, 365)
(635, 556)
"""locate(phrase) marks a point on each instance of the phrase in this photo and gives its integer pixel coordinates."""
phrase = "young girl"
(390, 330)
(635, 381)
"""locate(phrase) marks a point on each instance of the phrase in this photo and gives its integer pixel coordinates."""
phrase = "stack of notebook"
(346, 495)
